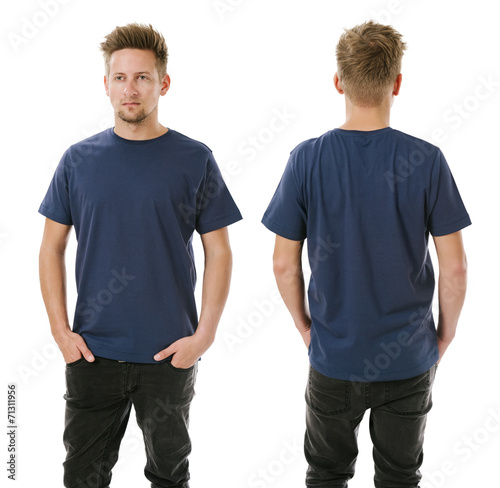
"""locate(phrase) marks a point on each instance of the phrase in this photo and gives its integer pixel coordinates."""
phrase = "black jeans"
(398, 414)
(99, 396)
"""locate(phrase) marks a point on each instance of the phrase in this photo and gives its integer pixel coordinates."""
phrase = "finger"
(71, 359)
(181, 364)
(165, 353)
(87, 354)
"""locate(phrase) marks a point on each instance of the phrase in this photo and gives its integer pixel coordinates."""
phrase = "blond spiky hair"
(368, 62)
(136, 36)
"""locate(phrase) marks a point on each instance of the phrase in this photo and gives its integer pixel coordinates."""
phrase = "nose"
(130, 88)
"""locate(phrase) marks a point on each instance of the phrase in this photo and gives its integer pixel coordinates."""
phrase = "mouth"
(131, 103)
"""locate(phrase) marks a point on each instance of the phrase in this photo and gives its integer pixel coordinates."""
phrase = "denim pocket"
(74, 363)
(412, 396)
(182, 370)
(327, 396)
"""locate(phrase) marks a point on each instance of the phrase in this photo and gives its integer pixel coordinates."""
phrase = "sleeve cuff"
(54, 216)
(451, 228)
(282, 231)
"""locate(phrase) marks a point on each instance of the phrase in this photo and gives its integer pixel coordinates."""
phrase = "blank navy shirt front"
(366, 202)
(134, 206)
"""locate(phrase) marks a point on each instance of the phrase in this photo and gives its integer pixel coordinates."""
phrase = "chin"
(132, 120)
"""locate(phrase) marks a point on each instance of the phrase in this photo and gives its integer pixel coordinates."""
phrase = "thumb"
(165, 353)
(87, 354)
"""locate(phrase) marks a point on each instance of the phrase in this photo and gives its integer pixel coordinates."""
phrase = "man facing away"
(366, 197)
(135, 194)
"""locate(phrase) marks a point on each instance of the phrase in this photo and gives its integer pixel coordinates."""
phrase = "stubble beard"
(137, 119)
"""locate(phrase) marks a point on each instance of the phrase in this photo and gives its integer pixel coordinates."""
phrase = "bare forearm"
(216, 281)
(290, 281)
(53, 287)
(451, 287)
(451, 290)
(287, 266)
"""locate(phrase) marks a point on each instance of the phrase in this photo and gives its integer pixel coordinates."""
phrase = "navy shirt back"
(366, 203)
(134, 206)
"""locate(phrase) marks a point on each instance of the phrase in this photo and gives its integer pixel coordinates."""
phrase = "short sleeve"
(286, 214)
(56, 204)
(447, 211)
(215, 207)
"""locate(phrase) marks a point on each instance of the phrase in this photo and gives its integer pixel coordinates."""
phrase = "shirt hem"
(129, 357)
(383, 376)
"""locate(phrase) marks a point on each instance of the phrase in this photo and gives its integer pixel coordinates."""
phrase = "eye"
(118, 77)
(144, 77)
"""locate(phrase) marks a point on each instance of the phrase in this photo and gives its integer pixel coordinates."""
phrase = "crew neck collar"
(362, 132)
(140, 142)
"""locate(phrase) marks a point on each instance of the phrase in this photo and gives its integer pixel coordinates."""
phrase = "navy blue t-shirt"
(366, 203)
(134, 206)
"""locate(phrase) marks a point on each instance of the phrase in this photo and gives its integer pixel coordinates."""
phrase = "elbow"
(461, 268)
(51, 248)
(282, 267)
(278, 267)
(455, 273)
(221, 257)
(287, 259)
(456, 269)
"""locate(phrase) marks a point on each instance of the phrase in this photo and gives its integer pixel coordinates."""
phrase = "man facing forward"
(135, 194)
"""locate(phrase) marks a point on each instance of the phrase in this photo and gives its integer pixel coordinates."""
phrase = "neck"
(367, 118)
(146, 129)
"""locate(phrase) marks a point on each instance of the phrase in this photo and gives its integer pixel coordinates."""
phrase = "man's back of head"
(368, 62)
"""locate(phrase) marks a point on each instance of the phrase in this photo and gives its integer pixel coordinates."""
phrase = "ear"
(106, 87)
(165, 85)
(397, 85)
(336, 82)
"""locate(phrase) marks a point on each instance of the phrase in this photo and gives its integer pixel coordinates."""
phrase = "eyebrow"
(138, 73)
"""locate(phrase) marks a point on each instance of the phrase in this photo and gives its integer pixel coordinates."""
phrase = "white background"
(232, 68)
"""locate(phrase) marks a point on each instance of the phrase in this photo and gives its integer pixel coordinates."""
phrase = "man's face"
(133, 85)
